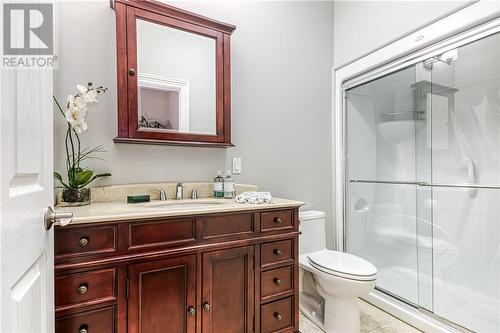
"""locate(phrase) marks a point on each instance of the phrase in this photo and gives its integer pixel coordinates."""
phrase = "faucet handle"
(195, 194)
(163, 194)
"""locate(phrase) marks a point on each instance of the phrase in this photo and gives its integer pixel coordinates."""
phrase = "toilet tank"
(312, 226)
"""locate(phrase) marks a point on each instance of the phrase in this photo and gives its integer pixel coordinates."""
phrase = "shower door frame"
(475, 21)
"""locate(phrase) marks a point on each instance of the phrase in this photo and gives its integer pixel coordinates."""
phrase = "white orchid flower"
(88, 95)
(76, 118)
(77, 106)
(75, 113)
(77, 103)
(80, 127)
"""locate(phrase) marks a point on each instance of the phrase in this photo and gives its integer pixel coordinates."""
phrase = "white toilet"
(330, 281)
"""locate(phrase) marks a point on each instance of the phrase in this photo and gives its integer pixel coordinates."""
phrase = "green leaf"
(95, 177)
(107, 174)
(82, 177)
(58, 177)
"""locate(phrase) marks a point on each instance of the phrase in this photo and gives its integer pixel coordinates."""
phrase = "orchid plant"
(76, 110)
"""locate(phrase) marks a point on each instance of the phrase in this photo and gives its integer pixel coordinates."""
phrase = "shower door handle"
(470, 186)
(472, 178)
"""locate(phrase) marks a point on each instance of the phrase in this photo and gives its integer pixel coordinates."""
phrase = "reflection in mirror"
(175, 83)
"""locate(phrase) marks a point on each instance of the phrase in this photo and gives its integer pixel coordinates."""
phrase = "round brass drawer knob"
(206, 307)
(82, 289)
(277, 316)
(131, 71)
(84, 241)
(277, 220)
(191, 311)
(83, 329)
(277, 252)
(277, 281)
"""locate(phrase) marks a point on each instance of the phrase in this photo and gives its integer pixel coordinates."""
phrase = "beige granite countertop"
(120, 211)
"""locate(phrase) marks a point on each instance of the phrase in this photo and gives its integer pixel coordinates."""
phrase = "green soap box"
(137, 198)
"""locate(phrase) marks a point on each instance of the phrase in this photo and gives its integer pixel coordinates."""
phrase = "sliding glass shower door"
(422, 175)
(381, 174)
(466, 150)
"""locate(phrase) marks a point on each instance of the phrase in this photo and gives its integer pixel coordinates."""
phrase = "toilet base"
(341, 315)
(329, 301)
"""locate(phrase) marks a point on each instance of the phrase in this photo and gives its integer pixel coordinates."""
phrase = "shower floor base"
(456, 304)
(407, 313)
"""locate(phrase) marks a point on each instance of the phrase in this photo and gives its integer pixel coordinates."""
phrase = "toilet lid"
(343, 264)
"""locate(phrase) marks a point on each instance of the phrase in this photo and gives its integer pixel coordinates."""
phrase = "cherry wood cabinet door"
(162, 296)
(228, 291)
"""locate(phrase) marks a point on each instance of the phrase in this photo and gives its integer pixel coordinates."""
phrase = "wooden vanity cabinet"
(160, 293)
(228, 290)
(228, 272)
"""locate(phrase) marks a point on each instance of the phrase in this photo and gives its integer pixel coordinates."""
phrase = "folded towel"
(254, 197)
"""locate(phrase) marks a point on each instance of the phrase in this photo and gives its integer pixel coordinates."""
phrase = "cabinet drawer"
(86, 288)
(228, 225)
(277, 253)
(84, 241)
(98, 321)
(277, 316)
(276, 282)
(278, 220)
(162, 233)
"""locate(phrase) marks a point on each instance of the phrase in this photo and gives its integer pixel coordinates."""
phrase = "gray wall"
(282, 54)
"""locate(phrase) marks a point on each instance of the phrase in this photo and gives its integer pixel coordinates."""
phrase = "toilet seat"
(343, 265)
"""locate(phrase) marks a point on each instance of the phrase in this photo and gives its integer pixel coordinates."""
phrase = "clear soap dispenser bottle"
(229, 192)
(219, 185)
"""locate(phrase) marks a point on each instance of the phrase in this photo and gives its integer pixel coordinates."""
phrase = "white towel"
(254, 197)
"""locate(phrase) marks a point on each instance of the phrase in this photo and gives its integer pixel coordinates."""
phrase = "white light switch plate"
(236, 166)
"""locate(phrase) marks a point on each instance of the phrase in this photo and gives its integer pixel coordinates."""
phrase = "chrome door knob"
(50, 218)
(206, 307)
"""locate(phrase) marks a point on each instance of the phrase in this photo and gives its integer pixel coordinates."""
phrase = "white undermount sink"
(185, 204)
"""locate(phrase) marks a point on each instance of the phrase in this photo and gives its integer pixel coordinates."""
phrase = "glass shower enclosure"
(422, 177)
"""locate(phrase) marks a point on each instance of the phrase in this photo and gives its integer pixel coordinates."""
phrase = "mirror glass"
(176, 80)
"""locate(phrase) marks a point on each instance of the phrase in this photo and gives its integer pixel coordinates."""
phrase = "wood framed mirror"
(173, 76)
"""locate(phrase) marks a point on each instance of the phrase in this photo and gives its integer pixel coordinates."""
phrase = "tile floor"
(373, 320)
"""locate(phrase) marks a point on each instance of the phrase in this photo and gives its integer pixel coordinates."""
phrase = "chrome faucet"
(163, 195)
(195, 193)
(179, 191)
